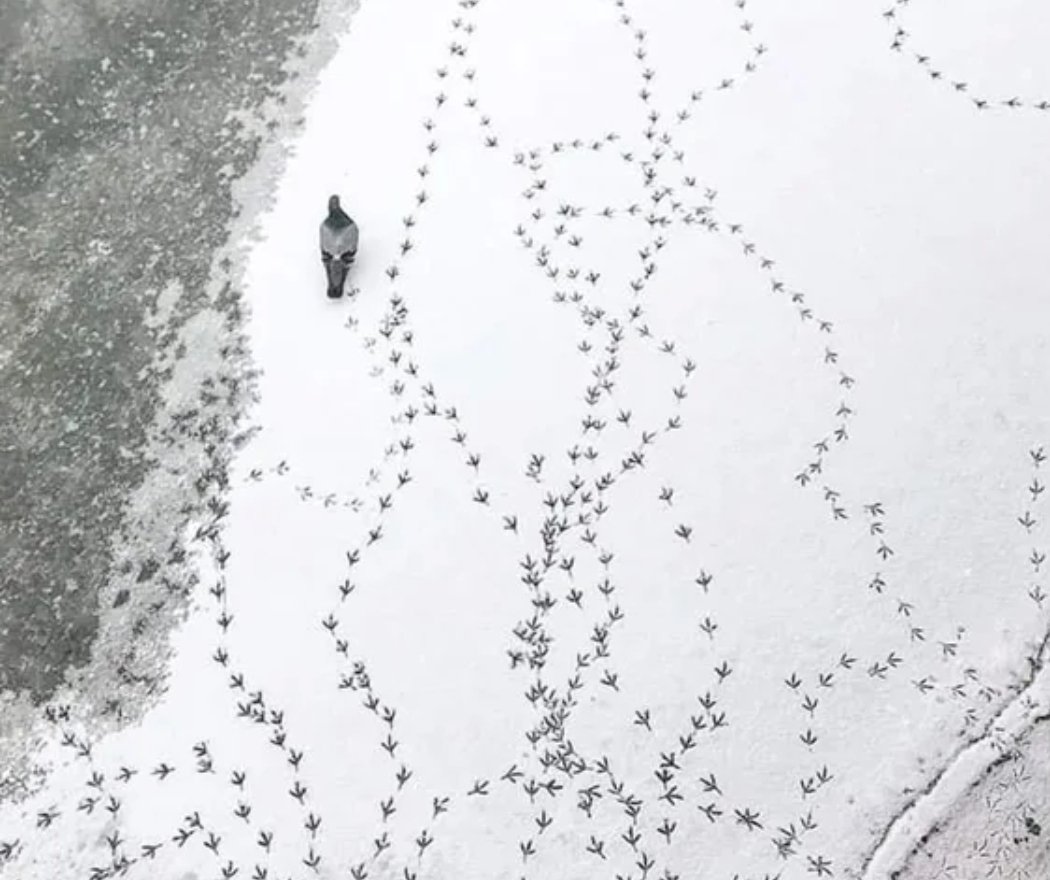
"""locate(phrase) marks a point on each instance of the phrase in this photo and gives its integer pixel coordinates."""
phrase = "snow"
(800, 605)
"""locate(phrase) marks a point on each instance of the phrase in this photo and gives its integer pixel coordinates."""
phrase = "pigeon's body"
(338, 234)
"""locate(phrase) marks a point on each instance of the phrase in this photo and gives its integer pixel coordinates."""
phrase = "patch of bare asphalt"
(123, 377)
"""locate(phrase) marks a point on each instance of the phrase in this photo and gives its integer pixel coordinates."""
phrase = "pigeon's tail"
(337, 217)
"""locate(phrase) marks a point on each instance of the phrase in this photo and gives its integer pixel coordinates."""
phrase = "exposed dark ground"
(116, 159)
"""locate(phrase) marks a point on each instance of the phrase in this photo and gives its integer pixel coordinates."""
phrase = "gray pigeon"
(338, 246)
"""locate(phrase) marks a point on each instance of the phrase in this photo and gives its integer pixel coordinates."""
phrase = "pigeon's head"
(333, 204)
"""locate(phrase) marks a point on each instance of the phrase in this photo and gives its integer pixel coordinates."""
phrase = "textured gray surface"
(115, 170)
(1001, 827)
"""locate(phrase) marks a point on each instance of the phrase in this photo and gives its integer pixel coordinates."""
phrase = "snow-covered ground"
(667, 499)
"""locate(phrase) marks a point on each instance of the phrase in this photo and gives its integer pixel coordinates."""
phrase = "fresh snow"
(665, 499)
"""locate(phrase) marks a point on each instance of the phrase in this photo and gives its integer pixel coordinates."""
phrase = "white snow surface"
(665, 500)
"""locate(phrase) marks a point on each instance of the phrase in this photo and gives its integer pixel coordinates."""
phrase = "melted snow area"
(667, 497)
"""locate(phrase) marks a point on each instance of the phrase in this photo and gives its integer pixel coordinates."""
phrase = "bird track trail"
(895, 18)
(998, 736)
(567, 543)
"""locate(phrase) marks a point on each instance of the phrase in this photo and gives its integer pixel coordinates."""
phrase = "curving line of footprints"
(101, 801)
(99, 797)
(894, 17)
